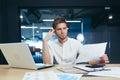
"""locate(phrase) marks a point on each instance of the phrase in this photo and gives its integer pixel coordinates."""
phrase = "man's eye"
(65, 28)
(58, 29)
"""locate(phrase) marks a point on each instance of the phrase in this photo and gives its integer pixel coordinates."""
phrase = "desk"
(7, 73)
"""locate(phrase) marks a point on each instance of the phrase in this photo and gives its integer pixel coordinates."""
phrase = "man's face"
(61, 31)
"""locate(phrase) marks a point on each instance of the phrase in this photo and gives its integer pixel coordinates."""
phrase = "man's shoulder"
(74, 41)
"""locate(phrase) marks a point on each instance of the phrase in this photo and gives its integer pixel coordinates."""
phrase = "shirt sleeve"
(79, 48)
(50, 52)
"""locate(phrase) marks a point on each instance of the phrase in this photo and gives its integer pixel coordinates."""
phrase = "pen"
(105, 69)
(100, 70)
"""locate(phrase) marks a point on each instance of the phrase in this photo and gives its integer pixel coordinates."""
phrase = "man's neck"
(62, 41)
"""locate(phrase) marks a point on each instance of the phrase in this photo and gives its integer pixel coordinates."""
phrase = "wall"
(3, 27)
(14, 5)
(114, 43)
(0, 20)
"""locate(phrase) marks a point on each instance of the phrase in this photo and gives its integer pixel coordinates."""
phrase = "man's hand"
(49, 35)
(45, 54)
(104, 59)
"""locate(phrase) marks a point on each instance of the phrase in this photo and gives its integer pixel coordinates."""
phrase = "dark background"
(10, 27)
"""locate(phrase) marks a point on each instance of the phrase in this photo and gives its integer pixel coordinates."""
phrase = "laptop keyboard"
(41, 66)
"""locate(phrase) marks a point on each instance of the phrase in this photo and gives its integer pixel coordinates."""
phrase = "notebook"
(18, 55)
(88, 69)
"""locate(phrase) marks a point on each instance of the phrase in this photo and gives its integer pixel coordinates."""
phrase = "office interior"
(96, 21)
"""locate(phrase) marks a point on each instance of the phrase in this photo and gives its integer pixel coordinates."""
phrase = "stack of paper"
(50, 75)
(113, 72)
(70, 69)
(68, 76)
(40, 76)
(83, 67)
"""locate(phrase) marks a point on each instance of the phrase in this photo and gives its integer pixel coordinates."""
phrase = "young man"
(64, 50)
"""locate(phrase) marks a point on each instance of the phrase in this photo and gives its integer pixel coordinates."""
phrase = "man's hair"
(59, 20)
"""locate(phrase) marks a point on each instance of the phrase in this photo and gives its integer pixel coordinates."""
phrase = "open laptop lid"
(18, 55)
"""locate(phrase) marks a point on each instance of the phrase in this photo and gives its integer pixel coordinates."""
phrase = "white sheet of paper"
(91, 52)
(40, 76)
(68, 76)
(114, 72)
(51, 75)
(67, 69)
(83, 67)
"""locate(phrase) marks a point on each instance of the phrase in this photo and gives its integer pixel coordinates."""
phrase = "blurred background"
(89, 21)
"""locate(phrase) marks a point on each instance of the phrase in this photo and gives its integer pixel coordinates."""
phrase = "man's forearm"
(45, 54)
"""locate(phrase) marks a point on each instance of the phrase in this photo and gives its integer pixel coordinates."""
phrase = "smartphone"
(95, 66)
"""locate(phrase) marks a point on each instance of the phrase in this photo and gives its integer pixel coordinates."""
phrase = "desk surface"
(7, 73)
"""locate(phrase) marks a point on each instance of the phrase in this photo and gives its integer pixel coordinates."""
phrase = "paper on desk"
(68, 76)
(51, 75)
(83, 67)
(67, 69)
(40, 76)
(91, 52)
(114, 72)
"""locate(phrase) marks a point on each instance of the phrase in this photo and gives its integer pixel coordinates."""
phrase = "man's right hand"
(49, 35)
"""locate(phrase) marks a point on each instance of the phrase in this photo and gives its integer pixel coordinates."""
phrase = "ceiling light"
(107, 8)
(21, 16)
(50, 20)
(47, 27)
(110, 17)
(80, 37)
(28, 27)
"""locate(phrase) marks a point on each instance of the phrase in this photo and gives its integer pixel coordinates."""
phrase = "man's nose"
(62, 31)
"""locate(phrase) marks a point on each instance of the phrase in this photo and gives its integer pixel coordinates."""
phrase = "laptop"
(18, 55)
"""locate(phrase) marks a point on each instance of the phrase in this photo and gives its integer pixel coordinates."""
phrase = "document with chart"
(50, 75)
